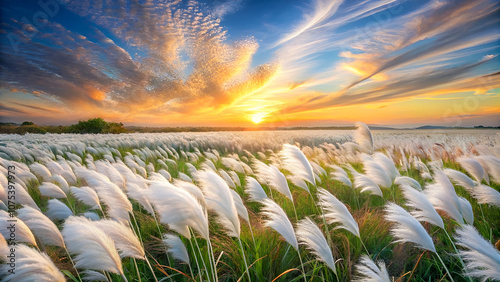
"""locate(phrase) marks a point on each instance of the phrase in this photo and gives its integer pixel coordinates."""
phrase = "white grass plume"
(473, 167)
(87, 196)
(443, 197)
(178, 208)
(227, 178)
(340, 175)
(466, 210)
(254, 190)
(176, 247)
(191, 188)
(51, 190)
(486, 195)
(481, 258)
(62, 182)
(219, 199)
(125, 240)
(296, 163)
(31, 265)
(41, 171)
(58, 210)
(91, 275)
(44, 229)
(139, 194)
(22, 232)
(363, 137)
(406, 228)
(460, 178)
(366, 184)
(405, 180)
(336, 212)
(375, 171)
(492, 166)
(422, 209)
(368, 271)
(309, 234)
(387, 164)
(235, 177)
(273, 177)
(278, 220)
(118, 205)
(95, 250)
(24, 198)
(240, 207)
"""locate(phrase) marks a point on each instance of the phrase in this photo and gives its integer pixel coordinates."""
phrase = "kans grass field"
(312, 205)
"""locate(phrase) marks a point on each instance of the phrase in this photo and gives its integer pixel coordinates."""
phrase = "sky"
(251, 63)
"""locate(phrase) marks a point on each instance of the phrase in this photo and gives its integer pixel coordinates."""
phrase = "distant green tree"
(27, 123)
(96, 125)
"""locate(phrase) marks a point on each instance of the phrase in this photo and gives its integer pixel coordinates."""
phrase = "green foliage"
(96, 125)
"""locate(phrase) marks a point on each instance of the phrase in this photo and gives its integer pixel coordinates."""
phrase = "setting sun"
(258, 117)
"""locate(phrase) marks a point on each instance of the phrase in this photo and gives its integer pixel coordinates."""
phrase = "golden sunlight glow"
(258, 117)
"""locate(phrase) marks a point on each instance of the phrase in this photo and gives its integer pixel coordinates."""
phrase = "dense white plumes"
(278, 220)
(365, 183)
(340, 175)
(31, 266)
(87, 196)
(405, 180)
(43, 228)
(423, 210)
(233, 164)
(492, 166)
(486, 195)
(363, 136)
(179, 209)
(460, 178)
(273, 177)
(375, 171)
(481, 258)
(20, 229)
(254, 190)
(219, 199)
(51, 190)
(296, 163)
(57, 210)
(176, 247)
(442, 195)
(118, 205)
(336, 212)
(473, 167)
(95, 250)
(309, 234)
(125, 240)
(368, 271)
(406, 228)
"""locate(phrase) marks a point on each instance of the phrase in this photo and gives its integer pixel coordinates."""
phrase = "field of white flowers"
(251, 206)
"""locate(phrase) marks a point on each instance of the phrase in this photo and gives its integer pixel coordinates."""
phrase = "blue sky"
(226, 63)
